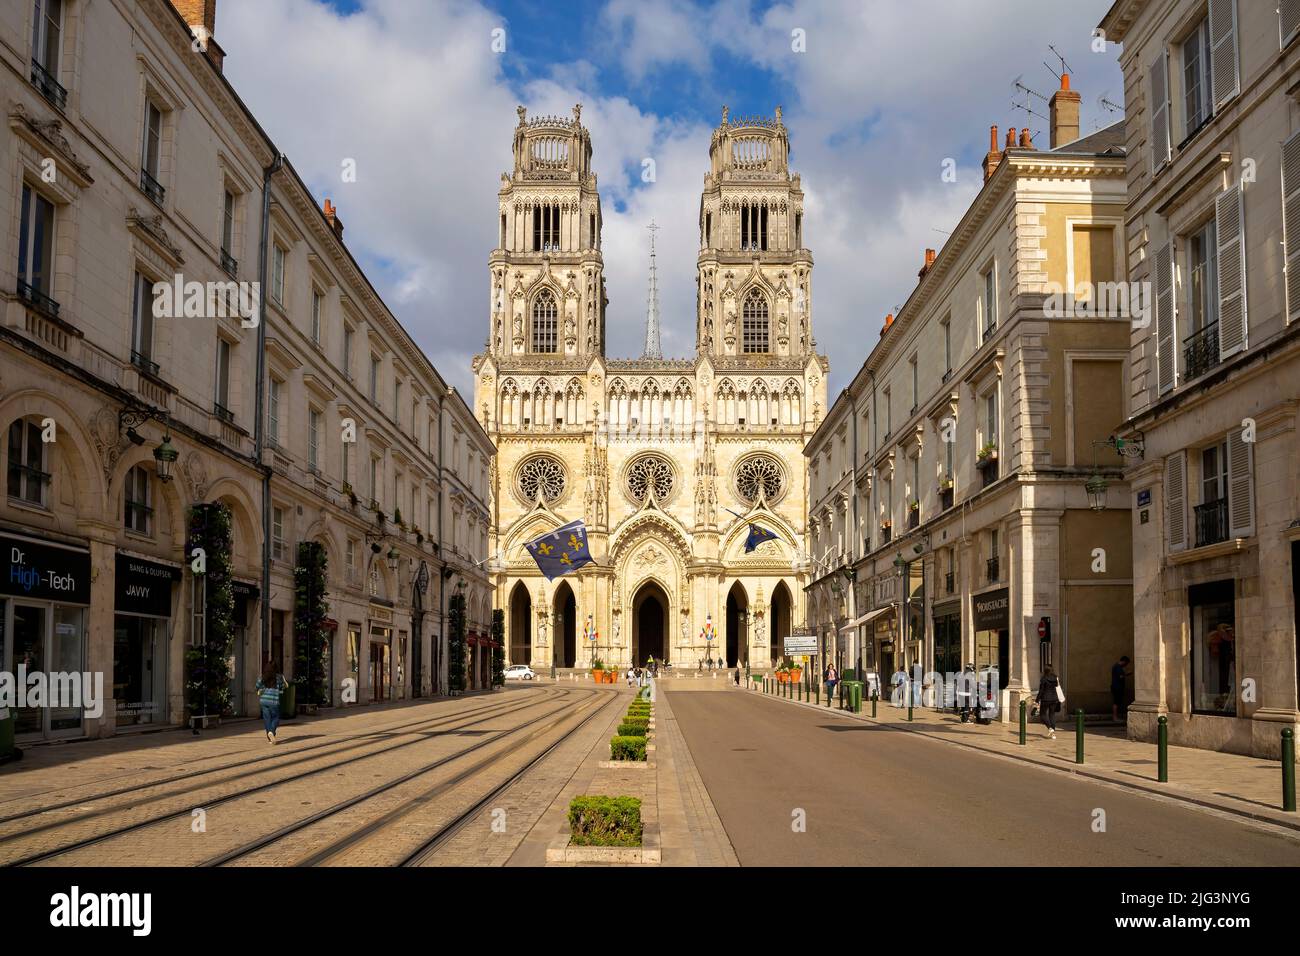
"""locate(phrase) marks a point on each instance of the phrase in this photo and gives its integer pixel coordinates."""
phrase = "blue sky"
(880, 95)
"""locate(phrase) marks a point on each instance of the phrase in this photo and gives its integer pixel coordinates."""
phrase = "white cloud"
(883, 94)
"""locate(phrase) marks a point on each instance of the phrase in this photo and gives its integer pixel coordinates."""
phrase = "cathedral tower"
(754, 274)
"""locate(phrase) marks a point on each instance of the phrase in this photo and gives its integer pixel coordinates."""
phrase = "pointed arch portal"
(521, 629)
(649, 624)
(737, 626)
(564, 615)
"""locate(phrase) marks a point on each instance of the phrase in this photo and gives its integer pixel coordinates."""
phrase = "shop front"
(380, 651)
(992, 620)
(947, 647)
(142, 631)
(44, 603)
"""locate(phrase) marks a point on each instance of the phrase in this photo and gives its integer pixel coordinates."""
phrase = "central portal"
(649, 624)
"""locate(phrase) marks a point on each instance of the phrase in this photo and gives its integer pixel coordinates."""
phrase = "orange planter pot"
(598, 676)
(796, 675)
(611, 677)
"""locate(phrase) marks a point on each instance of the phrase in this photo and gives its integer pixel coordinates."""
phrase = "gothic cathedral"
(666, 460)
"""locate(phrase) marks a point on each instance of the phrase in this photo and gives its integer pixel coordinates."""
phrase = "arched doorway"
(779, 617)
(737, 649)
(649, 624)
(566, 627)
(521, 625)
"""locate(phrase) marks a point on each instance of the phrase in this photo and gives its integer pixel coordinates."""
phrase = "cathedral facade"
(667, 461)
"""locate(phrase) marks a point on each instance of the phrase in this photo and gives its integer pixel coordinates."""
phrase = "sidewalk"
(1229, 783)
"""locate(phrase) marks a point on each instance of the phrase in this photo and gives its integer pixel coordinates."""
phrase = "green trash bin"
(289, 702)
(855, 696)
(850, 674)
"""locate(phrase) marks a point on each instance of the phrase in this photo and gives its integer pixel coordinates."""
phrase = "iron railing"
(1211, 522)
(229, 263)
(144, 363)
(50, 88)
(1201, 351)
(945, 498)
(223, 413)
(37, 299)
(151, 187)
(993, 569)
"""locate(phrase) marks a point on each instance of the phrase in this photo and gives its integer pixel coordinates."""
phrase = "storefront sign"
(35, 570)
(144, 587)
(993, 610)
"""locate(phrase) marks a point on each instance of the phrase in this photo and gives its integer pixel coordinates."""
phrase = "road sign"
(800, 644)
(1044, 628)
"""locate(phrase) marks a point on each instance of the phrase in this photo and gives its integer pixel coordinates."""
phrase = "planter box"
(626, 765)
(647, 854)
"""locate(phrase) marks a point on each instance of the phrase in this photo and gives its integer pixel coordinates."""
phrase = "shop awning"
(867, 618)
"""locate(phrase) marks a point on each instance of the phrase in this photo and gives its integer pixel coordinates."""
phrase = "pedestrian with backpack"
(268, 695)
(1051, 696)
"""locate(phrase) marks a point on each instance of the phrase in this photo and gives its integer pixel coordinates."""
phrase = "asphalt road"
(873, 796)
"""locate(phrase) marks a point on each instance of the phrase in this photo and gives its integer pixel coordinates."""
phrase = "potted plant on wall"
(988, 453)
(351, 493)
(598, 670)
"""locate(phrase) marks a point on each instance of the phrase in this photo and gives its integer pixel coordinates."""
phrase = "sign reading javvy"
(797, 644)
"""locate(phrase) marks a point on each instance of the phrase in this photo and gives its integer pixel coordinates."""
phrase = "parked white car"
(519, 672)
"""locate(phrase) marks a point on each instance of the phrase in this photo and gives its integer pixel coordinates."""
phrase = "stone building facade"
(666, 460)
(948, 509)
(131, 166)
(1212, 227)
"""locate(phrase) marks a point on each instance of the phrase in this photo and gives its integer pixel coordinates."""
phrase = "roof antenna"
(1028, 93)
(1065, 67)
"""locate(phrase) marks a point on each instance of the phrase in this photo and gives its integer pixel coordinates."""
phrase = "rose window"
(647, 472)
(542, 475)
(759, 474)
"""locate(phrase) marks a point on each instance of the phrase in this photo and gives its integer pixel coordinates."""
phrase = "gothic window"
(759, 474)
(646, 472)
(546, 228)
(541, 474)
(753, 227)
(545, 323)
(754, 325)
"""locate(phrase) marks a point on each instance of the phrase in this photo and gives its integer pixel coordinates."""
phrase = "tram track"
(479, 716)
(383, 824)
(288, 755)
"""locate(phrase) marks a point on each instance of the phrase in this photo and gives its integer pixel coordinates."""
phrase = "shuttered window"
(1176, 500)
(1230, 228)
(1241, 486)
(1159, 112)
(1223, 50)
(1166, 328)
(1291, 220)
(1288, 12)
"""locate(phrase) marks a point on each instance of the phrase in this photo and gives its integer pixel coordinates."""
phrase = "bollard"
(840, 688)
(1024, 706)
(909, 703)
(800, 692)
(1288, 770)
(875, 696)
(1162, 749)
(1078, 735)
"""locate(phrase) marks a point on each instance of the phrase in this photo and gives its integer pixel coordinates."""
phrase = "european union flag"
(757, 535)
(560, 551)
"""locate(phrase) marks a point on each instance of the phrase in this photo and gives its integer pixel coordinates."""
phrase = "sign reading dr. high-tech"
(48, 572)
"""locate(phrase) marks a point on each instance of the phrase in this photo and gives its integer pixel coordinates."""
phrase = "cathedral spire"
(653, 350)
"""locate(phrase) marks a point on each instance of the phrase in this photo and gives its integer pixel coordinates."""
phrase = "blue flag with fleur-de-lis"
(560, 551)
(757, 535)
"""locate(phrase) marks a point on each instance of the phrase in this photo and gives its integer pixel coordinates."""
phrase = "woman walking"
(268, 693)
(832, 679)
(1050, 698)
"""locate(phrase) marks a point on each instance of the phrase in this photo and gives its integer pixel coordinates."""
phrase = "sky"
(876, 95)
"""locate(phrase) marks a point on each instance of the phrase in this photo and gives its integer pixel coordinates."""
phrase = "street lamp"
(392, 558)
(164, 457)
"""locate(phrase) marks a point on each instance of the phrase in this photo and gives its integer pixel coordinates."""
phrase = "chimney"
(929, 261)
(332, 217)
(1025, 141)
(1063, 109)
(889, 320)
(993, 157)
(201, 16)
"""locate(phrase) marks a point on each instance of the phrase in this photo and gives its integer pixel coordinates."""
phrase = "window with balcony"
(228, 234)
(1201, 346)
(36, 252)
(1212, 513)
(317, 308)
(138, 498)
(313, 440)
(992, 563)
(28, 474)
(47, 45)
(374, 379)
(151, 153)
(1198, 82)
(221, 399)
(273, 406)
(989, 305)
(278, 547)
(348, 334)
(142, 326)
(947, 346)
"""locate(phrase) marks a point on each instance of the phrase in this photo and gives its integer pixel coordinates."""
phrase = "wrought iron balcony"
(37, 299)
(1201, 351)
(989, 330)
(913, 518)
(144, 363)
(948, 582)
(50, 88)
(988, 470)
(152, 188)
(1211, 522)
(993, 569)
(945, 498)
(886, 533)
(229, 264)
(223, 413)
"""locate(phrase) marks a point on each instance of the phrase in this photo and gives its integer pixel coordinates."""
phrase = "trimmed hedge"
(632, 730)
(627, 748)
(605, 821)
